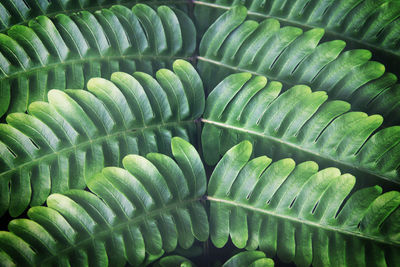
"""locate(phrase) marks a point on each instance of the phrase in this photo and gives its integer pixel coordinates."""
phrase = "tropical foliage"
(295, 211)
(288, 55)
(66, 51)
(301, 124)
(199, 133)
(149, 206)
(372, 25)
(62, 143)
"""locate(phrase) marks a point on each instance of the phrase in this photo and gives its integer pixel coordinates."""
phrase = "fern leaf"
(66, 51)
(63, 142)
(146, 208)
(372, 25)
(14, 12)
(301, 124)
(295, 211)
(286, 54)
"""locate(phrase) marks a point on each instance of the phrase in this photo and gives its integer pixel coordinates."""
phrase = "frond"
(62, 143)
(372, 25)
(295, 211)
(14, 12)
(301, 124)
(149, 207)
(286, 54)
(66, 51)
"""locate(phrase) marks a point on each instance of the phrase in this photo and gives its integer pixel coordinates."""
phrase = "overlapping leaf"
(288, 55)
(66, 51)
(63, 142)
(174, 261)
(301, 124)
(295, 211)
(149, 207)
(246, 258)
(20, 12)
(373, 25)
(249, 258)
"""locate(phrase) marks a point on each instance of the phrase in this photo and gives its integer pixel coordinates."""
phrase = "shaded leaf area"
(301, 124)
(66, 51)
(62, 143)
(20, 12)
(246, 258)
(299, 212)
(372, 25)
(133, 214)
(291, 56)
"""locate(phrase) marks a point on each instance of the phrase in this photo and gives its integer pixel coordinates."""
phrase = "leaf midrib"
(304, 222)
(334, 34)
(89, 59)
(89, 142)
(286, 143)
(238, 69)
(146, 215)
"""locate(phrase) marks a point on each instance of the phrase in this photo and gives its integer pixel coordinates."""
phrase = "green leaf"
(301, 124)
(372, 25)
(20, 12)
(301, 214)
(66, 51)
(286, 54)
(63, 142)
(133, 215)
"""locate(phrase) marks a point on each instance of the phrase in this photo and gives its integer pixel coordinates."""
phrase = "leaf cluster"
(153, 133)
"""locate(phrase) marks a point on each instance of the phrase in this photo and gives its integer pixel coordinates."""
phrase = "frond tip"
(150, 206)
(295, 211)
